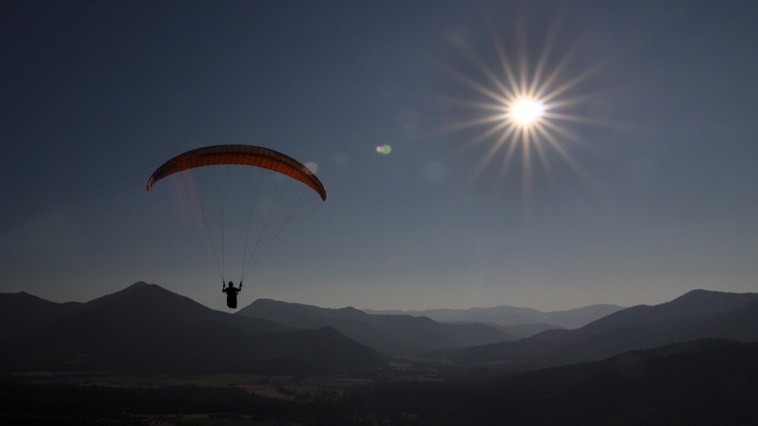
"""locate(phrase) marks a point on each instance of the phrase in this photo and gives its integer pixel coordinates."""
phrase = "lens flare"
(312, 166)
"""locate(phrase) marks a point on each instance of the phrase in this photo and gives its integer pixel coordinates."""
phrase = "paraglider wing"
(242, 155)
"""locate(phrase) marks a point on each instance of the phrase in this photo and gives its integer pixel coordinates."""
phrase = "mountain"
(390, 334)
(22, 312)
(696, 315)
(510, 315)
(149, 329)
(704, 382)
(693, 304)
(697, 382)
(524, 330)
(574, 318)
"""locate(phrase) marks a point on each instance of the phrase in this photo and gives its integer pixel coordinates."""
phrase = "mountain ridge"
(511, 315)
(147, 328)
(709, 381)
(731, 316)
(391, 334)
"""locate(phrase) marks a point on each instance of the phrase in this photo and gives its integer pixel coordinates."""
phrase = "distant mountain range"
(508, 316)
(696, 315)
(149, 329)
(145, 328)
(390, 334)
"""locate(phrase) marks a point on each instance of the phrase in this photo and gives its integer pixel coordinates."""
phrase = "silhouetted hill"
(147, 328)
(510, 315)
(22, 312)
(730, 316)
(391, 334)
(706, 382)
(697, 382)
(696, 303)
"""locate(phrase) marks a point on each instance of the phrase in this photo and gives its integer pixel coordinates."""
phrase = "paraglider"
(263, 204)
(231, 294)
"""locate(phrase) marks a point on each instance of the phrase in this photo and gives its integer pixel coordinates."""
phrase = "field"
(160, 399)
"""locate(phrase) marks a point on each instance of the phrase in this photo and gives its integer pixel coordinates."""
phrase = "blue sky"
(661, 199)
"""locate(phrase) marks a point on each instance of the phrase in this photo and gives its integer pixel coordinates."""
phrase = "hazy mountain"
(515, 331)
(524, 330)
(696, 315)
(391, 334)
(147, 328)
(510, 315)
(574, 318)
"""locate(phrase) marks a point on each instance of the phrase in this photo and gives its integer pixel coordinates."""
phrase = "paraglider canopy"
(242, 155)
(233, 210)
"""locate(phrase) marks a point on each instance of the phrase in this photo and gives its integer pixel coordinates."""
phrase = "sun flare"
(522, 106)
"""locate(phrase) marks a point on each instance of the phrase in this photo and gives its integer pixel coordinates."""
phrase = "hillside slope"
(147, 328)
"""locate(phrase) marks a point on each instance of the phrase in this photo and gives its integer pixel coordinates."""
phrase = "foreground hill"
(693, 304)
(22, 312)
(513, 316)
(706, 382)
(390, 334)
(696, 315)
(147, 328)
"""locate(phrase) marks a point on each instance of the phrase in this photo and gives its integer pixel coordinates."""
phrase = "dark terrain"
(145, 355)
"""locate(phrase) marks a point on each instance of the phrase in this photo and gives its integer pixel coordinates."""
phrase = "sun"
(526, 112)
(522, 105)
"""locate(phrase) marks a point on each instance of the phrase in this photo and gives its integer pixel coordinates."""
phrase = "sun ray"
(463, 125)
(526, 170)
(477, 86)
(575, 81)
(510, 77)
(566, 156)
(552, 128)
(580, 119)
(527, 109)
(505, 93)
(484, 136)
(507, 160)
(555, 74)
(537, 83)
(542, 154)
(491, 153)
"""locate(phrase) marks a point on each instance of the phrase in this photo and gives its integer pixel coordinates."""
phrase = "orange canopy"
(247, 155)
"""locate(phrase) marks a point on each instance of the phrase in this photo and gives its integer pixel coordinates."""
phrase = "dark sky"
(643, 186)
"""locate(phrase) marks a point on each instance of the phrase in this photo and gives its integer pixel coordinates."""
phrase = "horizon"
(625, 180)
(366, 309)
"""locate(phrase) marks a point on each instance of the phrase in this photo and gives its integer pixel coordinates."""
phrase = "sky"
(640, 186)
